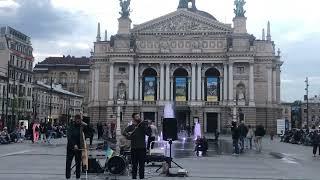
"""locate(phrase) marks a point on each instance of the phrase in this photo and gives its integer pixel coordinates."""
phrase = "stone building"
(63, 104)
(211, 71)
(313, 109)
(69, 71)
(16, 61)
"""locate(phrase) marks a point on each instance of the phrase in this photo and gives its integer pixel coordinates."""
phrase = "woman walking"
(250, 136)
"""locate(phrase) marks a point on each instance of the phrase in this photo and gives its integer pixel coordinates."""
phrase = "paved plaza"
(278, 161)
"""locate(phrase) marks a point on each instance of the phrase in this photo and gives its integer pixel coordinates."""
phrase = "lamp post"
(307, 98)
(118, 130)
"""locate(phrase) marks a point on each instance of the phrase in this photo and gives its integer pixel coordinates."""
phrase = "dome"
(202, 13)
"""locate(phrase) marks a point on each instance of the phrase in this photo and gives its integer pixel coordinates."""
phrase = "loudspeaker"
(170, 129)
(94, 166)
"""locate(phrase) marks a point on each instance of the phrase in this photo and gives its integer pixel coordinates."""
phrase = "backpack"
(37, 129)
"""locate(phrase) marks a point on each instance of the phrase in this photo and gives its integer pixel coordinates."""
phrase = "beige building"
(69, 71)
(63, 104)
(16, 60)
(211, 71)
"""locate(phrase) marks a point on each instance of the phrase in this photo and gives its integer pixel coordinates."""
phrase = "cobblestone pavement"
(46, 162)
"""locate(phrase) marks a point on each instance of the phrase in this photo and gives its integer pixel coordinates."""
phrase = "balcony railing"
(149, 103)
(212, 103)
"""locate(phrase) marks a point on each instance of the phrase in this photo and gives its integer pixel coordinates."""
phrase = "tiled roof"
(66, 60)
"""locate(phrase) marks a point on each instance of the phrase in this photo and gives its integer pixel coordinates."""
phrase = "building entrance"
(212, 122)
(183, 120)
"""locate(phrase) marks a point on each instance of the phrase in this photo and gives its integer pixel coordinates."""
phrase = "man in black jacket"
(74, 136)
(136, 133)
(235, 137)
(243, 134)
(315, 139)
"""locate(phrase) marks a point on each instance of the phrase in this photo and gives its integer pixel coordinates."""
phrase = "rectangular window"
(122, 70)
(305, 110)
(240, 70)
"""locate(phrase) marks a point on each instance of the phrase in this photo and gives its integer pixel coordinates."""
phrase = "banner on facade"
(212, 89)
(181, 89)
(149, 88)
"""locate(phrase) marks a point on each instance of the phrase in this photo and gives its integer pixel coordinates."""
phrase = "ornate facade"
(213, 72)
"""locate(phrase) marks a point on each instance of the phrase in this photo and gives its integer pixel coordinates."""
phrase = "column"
(131, 76)
(231, 83)
(251, 85)
(158, 89)
(136, 82)
(96, 84)
(140, 88)
(221, 91)
(202, 86)
(199, 82)
(161, 81)
(193, 82)
(189, 88)
(168, 82)
(92, 84)
(269, 84)
(225, 83)
(274, 85)
(171, 89)
(111, 83)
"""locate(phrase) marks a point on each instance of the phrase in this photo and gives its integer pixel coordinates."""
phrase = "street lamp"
(307, 98)
(118, 130)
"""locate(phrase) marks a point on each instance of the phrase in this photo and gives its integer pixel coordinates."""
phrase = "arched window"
(149, 84)
(181, 84)
(212, 86)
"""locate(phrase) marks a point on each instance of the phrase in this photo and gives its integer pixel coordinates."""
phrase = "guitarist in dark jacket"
(74, 146)
(136, 133)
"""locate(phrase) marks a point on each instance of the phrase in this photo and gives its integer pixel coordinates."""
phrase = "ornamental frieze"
(219, 44)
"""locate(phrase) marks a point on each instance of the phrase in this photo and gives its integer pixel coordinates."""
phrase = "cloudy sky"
(61, 27)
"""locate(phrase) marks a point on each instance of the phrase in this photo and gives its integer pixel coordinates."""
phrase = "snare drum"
(117, 165)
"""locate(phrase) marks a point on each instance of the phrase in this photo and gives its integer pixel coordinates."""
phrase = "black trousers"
(70, 154)
(150, 139)
(138, 157)
(315, 147)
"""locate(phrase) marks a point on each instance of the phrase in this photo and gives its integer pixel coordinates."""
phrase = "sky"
(63, 27)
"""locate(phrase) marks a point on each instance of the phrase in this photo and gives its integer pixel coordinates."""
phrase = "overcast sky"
(61, 27)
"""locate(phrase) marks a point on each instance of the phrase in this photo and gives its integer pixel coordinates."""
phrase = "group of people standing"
(243, 135)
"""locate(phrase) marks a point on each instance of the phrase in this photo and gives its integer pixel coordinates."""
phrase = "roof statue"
(239, 11)
(183, 4)
(125, 8)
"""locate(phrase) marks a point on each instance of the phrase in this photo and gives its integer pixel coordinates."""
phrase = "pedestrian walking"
(36, 132)
(43, 132)
(243, 134)
(154, 133)
(259, 133)
(315, 140)
(22, 133)
(235, 137)
(100, 130)
(250, 135)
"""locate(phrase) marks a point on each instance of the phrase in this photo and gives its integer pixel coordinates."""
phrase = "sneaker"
(314, 155)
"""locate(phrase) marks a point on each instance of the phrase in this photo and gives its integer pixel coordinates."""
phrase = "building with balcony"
(69, 71)
(54, 103)
(16, 62)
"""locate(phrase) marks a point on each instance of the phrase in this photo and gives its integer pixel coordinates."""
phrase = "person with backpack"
(235, 137)
(243, 134)
(250, 135)
(259, 133)
(315, 140)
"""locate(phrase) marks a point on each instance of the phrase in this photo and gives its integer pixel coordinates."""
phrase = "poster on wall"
(149, 88)
(181, 89)
(212, 89)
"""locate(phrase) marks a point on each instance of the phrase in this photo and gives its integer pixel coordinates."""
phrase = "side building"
(69, 71)
(16, 62)
(53, 103)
